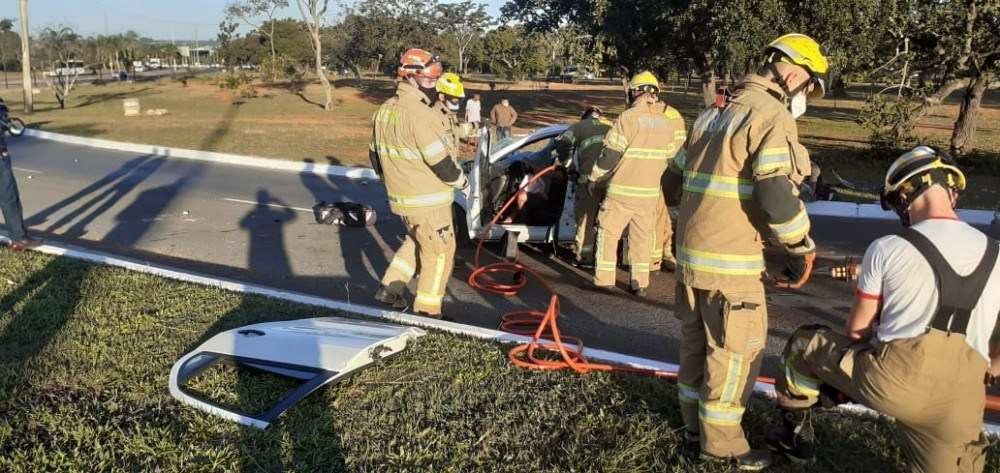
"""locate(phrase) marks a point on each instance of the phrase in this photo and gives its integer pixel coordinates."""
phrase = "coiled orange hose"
(543, 327)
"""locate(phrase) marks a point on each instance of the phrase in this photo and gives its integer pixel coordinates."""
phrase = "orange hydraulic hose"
(542, 326)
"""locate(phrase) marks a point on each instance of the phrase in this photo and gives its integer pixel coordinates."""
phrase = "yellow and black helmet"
(644, 81)
(451, 85)
(803, 51)
(914, 172)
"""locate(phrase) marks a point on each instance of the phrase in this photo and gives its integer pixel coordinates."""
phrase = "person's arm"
(868, 295)
(513, 113)
(373, 155)
(775, 193)
(672, 180)
(616, 141)
(995, 351)
(493, 114)
(564, 147)
(862, 317)
(438, 155)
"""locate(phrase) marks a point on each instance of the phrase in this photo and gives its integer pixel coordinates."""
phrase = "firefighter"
(584, 138)
(635, 155)
(450, 92)
(411, 150)
(739, 177)
(917, 345)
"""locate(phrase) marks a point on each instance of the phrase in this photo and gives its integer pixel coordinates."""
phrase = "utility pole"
(29, 99)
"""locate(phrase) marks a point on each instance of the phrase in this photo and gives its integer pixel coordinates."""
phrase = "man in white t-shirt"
(473, 111)
(918, 339)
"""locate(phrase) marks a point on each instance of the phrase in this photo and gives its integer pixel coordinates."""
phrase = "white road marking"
(30, 171)
(279, 206)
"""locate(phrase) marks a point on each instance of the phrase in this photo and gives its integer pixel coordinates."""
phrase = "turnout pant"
(722, 339)
(933, 385)
(10, 199)
(586, 207)
(428, 252)
(614, 217)
(662, 237)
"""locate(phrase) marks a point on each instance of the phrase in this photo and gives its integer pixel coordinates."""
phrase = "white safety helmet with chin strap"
(914, 173)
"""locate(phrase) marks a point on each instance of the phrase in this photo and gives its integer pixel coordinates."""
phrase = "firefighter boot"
(392, 295)
(753, 460)
(795, 439)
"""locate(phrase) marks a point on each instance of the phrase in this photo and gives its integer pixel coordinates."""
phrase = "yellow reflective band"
(800, 384)
(720, 263)
(677, 164)
(605, 265)
(429, 299)
(433, 150)
(671, 113)
(734, 371)
(388, 117)
(771, 159)
(634, 191)
(403, 267)
(646, 153)
(396, 152)
(593, 140)
(686, 393)
(793, 230)
(438, 273)
(718, 186)
(718, 413)
(426, 200)
(639, 267)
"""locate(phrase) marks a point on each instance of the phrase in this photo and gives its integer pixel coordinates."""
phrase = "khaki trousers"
(662, 237)
(614, 217)
(427, 252)
(723, 336)
(933, 385)
(586, 207)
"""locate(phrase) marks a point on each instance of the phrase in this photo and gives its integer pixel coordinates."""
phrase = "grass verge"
(86, 351)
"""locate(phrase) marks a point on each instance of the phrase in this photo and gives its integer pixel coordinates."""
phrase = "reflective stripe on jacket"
(721, 228)
(412, 140)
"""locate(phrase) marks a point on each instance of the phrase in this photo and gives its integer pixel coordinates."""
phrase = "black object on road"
(345, 214)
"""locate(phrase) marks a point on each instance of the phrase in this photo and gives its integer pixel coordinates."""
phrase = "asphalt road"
(256, 226)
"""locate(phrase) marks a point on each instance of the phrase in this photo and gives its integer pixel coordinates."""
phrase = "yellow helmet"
(644, 81)
(804, 51)
(916, 171)
(450, 84)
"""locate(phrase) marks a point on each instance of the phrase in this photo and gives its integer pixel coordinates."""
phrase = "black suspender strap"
(957, 295)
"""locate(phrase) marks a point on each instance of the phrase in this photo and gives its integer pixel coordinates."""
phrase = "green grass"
(85, 352)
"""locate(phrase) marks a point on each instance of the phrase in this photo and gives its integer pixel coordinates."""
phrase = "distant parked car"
(575, 73)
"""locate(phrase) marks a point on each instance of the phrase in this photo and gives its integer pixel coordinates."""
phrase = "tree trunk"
(29, 98)
(274, 54)
(930, 101)
(461, 60)
(327, 88)
(963, 137)
(708, 86)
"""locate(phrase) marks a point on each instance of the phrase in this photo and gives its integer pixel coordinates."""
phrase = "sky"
(158, 19)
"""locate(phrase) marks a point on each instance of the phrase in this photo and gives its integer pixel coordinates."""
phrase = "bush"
(889, 121)
(238, 82)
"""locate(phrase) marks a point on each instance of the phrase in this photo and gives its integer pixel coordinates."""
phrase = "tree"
(59, 46)
(313, 13)
(7, 37)
(514, 53)
(259, 16)
(29, 98)
(461, 25)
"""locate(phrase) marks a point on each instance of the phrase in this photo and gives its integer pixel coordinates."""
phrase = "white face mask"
(797, 105)
(453, 106)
